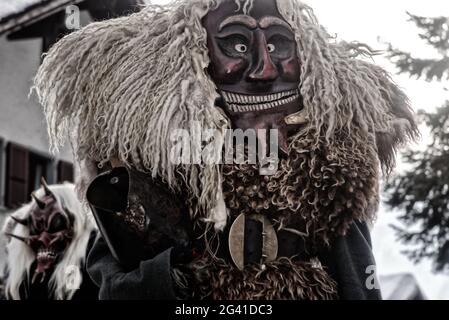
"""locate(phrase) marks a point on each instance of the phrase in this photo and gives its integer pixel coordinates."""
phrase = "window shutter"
(17, 166)
(65, 172)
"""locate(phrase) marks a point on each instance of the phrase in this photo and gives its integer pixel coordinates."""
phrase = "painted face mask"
(255, 67)
(50, 231)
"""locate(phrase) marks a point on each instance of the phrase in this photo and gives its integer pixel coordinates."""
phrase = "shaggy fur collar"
(316, 193)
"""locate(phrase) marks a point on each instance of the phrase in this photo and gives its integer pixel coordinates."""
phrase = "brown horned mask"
(50, 227)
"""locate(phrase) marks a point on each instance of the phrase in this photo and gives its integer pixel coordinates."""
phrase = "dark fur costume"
(282, 279)
(316, 194)
(154, 79)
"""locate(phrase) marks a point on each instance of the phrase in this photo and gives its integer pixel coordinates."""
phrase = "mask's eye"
(281, 47)
(37, 227)
(58, 223)
(234, 45)
(241, 48)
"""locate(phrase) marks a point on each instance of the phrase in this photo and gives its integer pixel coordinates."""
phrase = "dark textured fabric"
(346, 261)
(129, 218)
(351, 263)
(152, 280)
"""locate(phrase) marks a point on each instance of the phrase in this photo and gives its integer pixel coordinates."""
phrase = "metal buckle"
(236, 240)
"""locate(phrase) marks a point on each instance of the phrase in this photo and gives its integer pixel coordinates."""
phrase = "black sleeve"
(88, 290)
(151, 280)
(351, 263)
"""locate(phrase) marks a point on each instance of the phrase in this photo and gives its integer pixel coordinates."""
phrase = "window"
(2, 172)
(65, 172)
(38, 168)
(16, 185)
(24, 169)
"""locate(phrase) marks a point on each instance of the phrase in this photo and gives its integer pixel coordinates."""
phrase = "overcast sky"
(374, 23)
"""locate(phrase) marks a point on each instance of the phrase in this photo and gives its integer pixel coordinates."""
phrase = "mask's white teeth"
(246, 103)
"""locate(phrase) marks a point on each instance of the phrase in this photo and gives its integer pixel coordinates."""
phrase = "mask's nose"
(263, 68)
(45, 238)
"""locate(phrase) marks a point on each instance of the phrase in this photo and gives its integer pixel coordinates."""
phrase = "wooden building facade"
(28, 28)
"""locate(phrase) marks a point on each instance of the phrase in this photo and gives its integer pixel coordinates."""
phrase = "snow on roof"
(13, 7)
(16, 14)
(400, 287)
